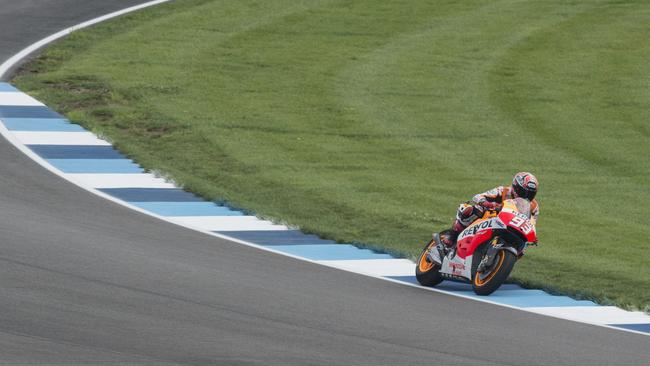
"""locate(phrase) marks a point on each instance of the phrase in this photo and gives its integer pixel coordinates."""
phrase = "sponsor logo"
(519, 214)
(453, 276)
(457, 266)
(454, 267)
(489, 224)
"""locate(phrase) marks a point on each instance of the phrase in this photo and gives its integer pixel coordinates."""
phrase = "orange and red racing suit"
(470, 211)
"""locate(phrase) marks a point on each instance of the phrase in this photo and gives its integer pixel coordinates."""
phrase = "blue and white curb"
(77, 155)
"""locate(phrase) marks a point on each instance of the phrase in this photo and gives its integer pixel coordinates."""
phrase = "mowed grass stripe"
(367, 122)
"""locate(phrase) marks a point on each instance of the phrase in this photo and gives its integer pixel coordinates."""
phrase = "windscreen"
(523, 206)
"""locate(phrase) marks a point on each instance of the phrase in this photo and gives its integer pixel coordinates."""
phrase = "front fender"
(510, 249)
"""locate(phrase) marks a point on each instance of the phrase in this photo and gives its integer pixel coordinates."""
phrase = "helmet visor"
(522, 192)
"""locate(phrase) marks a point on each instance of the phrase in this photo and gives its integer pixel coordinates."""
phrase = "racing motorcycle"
(485, 252)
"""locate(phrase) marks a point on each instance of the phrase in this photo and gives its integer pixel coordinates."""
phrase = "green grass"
(369, 121)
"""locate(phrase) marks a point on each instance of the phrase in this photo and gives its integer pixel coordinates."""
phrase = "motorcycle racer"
(524, 185)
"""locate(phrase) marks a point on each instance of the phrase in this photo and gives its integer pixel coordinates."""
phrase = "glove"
(490, 205)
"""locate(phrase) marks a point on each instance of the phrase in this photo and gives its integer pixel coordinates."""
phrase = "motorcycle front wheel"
(486, 282)
(427, 273)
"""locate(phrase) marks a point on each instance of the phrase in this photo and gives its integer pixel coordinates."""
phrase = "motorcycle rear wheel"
(486, 283)
(427, 273)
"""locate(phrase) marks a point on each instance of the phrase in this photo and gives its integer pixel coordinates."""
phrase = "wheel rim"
(423, 265)
(478, 281)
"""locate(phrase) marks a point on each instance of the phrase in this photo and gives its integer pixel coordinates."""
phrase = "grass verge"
(368, 122)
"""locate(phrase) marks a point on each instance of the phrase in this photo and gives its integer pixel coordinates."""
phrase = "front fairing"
(512, 223)
(516, 215)
(474, 235)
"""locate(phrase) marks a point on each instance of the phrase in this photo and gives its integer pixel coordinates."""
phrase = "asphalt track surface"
(84, 281)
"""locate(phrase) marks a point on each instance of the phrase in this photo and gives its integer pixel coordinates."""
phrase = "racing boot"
(448, 238)
(435, 255)
(436, 252)
(445, 240)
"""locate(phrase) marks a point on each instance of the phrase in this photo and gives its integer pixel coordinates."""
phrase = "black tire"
(427, 273)
(486, 283)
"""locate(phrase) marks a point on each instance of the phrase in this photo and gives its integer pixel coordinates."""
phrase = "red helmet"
(524, 185)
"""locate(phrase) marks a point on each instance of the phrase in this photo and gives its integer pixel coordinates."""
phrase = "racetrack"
(85, 281)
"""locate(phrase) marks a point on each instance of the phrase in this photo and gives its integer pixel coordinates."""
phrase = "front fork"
(488, 259)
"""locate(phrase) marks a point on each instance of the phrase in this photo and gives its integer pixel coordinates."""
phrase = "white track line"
(594, 314)
(228, 223)
(18, 99)
(142, 180)
(375, 267)
(14, 60)
(59, 138)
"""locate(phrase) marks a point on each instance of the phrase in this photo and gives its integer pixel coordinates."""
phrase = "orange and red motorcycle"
(485, 252)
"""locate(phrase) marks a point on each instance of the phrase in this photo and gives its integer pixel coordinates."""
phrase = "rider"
(524, 185)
